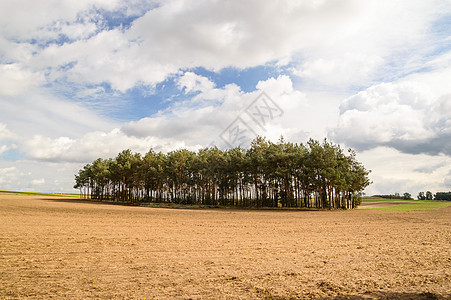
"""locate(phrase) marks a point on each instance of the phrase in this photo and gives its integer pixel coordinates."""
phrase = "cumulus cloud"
(179, 35)
(36, 110)
(341, 72)
(412, 115)
(383, 40)
(14, 80)
(193, 119)
(338, 43)
(192, 82)
(428, 168)
(6, 139)
(447, 180)
(202, 123)
(5, 148)
(7, 175)
(49, 18)
(190, 124)
(237, 33)
(27, 175)
(92, 145)
(5, 133)
(36, 182)
(397, 172)
(58, 61)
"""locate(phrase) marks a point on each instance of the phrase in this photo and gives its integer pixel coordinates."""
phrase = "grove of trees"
(438, 196)
(405, 196)
(427, 196)
(443, 196)
(282, 174)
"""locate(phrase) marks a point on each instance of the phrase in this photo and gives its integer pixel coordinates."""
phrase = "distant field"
(375, 203)
(54, 248)
(37, 194)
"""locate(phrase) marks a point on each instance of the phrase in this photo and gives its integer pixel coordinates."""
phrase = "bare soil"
(59, 248)
(378, 204)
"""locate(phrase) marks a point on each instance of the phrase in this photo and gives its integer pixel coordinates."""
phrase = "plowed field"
(57, 248)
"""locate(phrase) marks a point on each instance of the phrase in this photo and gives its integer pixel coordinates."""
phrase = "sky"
(89, 78)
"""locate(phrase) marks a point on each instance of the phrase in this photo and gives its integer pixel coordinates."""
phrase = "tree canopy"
(282, 174)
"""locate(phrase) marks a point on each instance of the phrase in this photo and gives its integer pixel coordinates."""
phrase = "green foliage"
(358, 200)
(438, 196)
(443, 196)
(395, 196)
(319, 175)
(410, 205)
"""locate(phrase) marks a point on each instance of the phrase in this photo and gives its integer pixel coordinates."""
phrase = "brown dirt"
(57, 248)
(378, 204)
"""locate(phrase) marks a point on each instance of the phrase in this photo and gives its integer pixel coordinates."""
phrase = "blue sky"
(87, 79)
(140, 102)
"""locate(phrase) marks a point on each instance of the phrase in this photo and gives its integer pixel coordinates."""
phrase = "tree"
(268, 174)
(443, 196)
(429, 195)
(407, 196)
(421, 196)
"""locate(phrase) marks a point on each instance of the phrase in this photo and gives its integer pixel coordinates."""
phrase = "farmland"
(377, 203)
(54, 247)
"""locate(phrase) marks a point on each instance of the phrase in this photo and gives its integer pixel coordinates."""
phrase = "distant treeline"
(437, 196)
(421, 196)
(319, 175)
(443, 196)
(405, 196)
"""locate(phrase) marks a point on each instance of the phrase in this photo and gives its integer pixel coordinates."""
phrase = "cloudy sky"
(88, 78)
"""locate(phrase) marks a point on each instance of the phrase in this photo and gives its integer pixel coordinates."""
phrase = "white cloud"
(27, 175)
(14, 80)
(5, 133)
(191, 124)
(276, 86)
(397, 172)
(192, 82)
(428, 167)
(36, 182)
(36, 111)
(353, 69)
(447, 181)
(25, 20)
(193, 120)
(7, 176)
(4, 148)
(411, 115)
(12, 51)
(91, 92)
(93, 145)
(6, 138)
(383, 40)
(47, 148)
(107, 57)
(201, 123)
(337, 43)
(334, 48)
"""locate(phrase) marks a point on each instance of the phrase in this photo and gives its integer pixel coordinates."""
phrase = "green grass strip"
(377, 199)
(37, 194)
(410, 205)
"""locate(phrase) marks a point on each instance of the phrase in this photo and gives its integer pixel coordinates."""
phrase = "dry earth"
(58, 248)
(378, 204)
